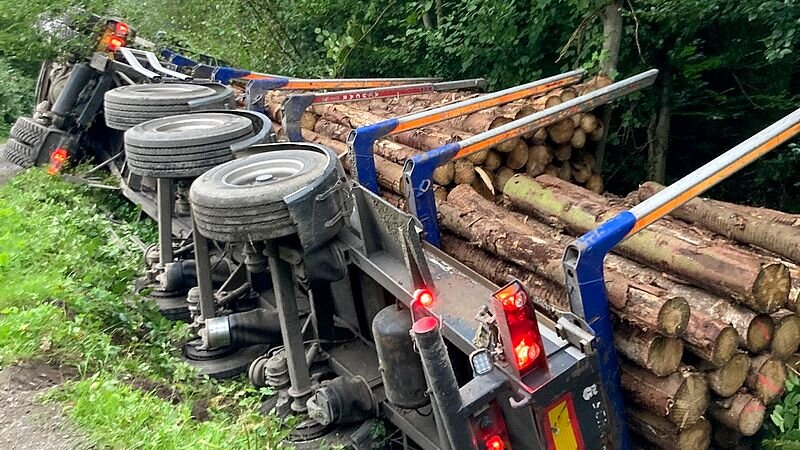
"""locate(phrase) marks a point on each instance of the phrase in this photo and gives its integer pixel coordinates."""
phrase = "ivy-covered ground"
(66, 264)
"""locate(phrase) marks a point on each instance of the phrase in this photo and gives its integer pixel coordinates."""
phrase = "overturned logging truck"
(408, 251)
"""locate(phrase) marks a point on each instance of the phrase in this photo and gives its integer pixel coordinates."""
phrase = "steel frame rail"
(418, 171)
(362, 139)
(296, 104)
(583, 259)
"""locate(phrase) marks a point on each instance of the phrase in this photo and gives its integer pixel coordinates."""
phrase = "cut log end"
(725, 346)
(766, 378)
(760, 333)
(786, 336)
(665, 355)
(772, 286)
(726, 380)
(443, 175)
(751, 417)
(742, 412)
(695, 437)
(674, 316)
(690, 401)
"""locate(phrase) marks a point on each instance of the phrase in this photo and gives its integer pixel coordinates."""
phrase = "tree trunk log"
(549, 297)
(426, 138)
(775, 237)
(656, 353)
(389, 174)
(491, 227)
(766, 378)
(787, 333)
(742, 412)
(665, 435)
(681, 398)
(722, 269)
(393, 151)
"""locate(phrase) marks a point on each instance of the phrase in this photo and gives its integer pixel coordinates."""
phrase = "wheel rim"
(167, 89)
(198, 123)
(265, 173)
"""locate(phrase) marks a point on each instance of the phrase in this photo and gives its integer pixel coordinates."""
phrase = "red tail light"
(519, 329)
(57, 160)
(490, 428)
(121, 29)
(114, 43)
(495, 442)
(424, 296)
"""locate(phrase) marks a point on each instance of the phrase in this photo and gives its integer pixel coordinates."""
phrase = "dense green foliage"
(733, 66)
(66, 265)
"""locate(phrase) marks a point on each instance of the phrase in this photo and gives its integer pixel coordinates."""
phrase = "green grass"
(66, 266)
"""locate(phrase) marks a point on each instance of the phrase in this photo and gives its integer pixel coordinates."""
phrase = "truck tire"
(184, 146)
(128, 106)
(242, 200)
(28, 131)
(19, 153)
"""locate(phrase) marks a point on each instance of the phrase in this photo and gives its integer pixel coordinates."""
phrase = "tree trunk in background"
(659, 138)
(439, 12)
(612, 38)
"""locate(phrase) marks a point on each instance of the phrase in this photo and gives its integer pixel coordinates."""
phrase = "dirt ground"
(28, 425)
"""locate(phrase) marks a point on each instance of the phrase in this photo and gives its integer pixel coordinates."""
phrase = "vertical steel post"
(291, 331)
(202, 260)
(442, 382)
(165, 200)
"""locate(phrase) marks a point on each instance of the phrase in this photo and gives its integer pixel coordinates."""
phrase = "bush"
(16, 96)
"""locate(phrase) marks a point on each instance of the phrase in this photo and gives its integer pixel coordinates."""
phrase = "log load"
(725, 270)
(681, 397)
(735, 224)
(742, 413)
(766, 378)
(665, 434)
(477, 220)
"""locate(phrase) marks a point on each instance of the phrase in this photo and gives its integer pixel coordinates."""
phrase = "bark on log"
(766, 378)
(742, 412)
(658, 354)
(681, 398)
(477, 220)
(389, 174)
(422, 139)
(725, 270)
(787, 334)
(549, 297)
(732, 223)
(665, 435)
(393, 151)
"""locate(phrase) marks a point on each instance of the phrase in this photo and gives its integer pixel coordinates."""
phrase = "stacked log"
(705, 323)
(565, 149)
